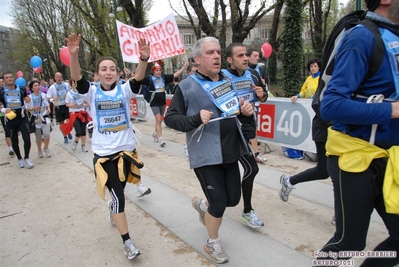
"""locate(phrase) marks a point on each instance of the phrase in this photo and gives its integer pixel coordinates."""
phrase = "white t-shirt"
(53, 92)
(43, 110)
(69, 100)
(104, 144)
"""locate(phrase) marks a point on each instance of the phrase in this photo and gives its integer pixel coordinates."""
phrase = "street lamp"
(113, 13)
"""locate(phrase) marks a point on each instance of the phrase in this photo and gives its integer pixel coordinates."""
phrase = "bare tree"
(43, 27)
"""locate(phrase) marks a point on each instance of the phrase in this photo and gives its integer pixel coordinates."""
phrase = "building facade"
(6, 34)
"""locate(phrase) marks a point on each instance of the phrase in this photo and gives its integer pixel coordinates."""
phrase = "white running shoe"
(130, 249)
(21, 163)
(143, 190)
(84, 149)
(215, 251)
(74, 145)
(28, 163)
(251, 219)
(196, 202)
(162, 142)
(259, 159)
(40, 154)
(285, 187)
(47, 152)
(155, 136)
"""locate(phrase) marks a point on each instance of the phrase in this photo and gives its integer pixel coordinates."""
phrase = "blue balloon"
(36, 61)
(20, 82)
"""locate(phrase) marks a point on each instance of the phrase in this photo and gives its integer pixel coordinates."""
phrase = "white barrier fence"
(280, 121)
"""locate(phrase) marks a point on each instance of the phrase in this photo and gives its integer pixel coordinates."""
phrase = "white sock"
(11, 148)
(203, 206)
(209, 240)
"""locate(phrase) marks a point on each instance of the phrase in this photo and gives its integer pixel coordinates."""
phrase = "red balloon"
(37, 70)
(19, 74)
(65, 56)
(267, 50)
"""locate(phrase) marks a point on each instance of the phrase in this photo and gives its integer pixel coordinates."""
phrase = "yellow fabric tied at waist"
(134, 174)
(355, 155)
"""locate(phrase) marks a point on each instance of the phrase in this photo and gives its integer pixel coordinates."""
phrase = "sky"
(159, 7)
(159, 10)
(5, 18)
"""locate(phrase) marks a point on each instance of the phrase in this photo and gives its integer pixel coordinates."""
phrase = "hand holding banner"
(163, 35)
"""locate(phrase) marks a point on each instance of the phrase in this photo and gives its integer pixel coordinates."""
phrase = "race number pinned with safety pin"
(222, 95)
(111, 113)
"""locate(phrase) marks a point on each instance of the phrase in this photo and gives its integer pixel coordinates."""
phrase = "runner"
(156, 95)
(57, 92)
(248, 85)
(253, 63)
(78, 117)
(40, 108)
(115, 156)
(6, 130)
(13, 98)
(204, 106)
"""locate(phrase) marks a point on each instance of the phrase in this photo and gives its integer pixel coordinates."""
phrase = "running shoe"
(251, 219)
(70, 136)
(130, 249)
(143, 190)
(74, 145)
(40, 154)
(84, 149)
(21, 163)
(259, 159)
(155, 136)
(196, 202)
(11, 153)
(162, 142)
(65, 140)
(110, 219)
(28, 163)
(47, 152)
(215, 251)
(285, 188)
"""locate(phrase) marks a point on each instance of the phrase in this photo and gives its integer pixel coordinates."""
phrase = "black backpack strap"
(378, 52)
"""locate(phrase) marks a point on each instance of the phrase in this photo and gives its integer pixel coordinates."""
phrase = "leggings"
(115, 186)
(51, 115)
(44, 132)
(251, 168)
(80, 127)
(20, 125)
(6, 130)
(221, 186)
(356, 195)
(317, 173)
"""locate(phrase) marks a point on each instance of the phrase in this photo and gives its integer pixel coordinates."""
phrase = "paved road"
(170, 206)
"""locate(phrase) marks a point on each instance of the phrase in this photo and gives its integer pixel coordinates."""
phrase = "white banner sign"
(163, 35)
